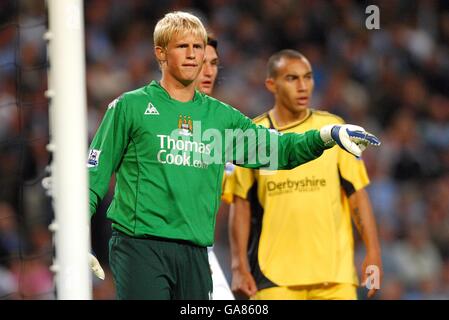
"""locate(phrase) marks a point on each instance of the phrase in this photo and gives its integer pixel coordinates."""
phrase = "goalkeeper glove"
(95, 266)
(349, 137)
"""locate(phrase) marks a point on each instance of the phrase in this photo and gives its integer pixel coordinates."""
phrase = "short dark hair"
(212, 41)
(273, 62)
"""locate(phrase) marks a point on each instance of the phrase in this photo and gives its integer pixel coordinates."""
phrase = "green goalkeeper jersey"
(168, 157)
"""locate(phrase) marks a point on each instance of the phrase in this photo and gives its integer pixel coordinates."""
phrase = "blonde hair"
(177, 22)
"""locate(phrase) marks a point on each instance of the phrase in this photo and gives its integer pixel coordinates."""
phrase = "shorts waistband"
(121, 234)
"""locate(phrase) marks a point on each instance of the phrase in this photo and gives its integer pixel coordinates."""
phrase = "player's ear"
(160, 54)
(269, 84)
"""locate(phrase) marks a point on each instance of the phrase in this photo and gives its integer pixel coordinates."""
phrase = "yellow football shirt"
(305, 234)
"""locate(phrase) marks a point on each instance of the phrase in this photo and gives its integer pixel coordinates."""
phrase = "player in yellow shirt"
(291, 232)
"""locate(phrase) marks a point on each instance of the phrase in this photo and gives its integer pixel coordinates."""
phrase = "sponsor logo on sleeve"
(94, 158)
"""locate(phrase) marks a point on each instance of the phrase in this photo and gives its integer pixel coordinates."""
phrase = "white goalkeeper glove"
(95, 266)
(352, 138)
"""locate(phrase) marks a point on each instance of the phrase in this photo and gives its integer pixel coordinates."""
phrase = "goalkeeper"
(166, 143)
(295, 226)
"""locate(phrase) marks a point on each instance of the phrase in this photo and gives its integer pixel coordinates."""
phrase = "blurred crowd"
(394, 81)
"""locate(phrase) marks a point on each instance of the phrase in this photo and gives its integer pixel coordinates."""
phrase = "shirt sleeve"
(352, 170)
(254, 146)
(106, 150)
(243, 181)
(238, 182)
(227, 186)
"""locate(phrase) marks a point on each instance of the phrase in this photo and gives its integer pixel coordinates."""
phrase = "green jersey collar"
(156, 85)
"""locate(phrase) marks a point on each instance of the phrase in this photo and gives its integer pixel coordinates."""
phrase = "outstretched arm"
(255, 146)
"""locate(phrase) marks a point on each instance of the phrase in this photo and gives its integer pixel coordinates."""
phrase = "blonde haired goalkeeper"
(167, 145)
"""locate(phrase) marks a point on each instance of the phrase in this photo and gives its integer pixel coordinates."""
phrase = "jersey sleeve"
(243, 181)
(106, 150)
(227, 186)
(352, 170)
(267, 148)
(238, 182)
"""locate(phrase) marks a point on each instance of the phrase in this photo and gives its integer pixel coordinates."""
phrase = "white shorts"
(221, 289)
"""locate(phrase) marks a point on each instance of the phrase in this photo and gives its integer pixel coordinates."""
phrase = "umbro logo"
(151, 109)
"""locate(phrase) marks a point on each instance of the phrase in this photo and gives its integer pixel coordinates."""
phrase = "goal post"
(68, 132)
